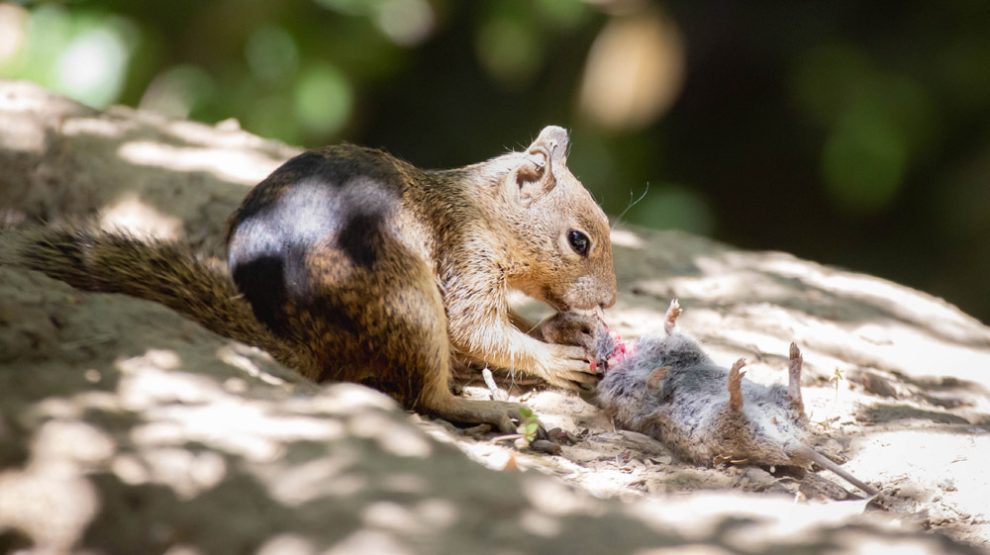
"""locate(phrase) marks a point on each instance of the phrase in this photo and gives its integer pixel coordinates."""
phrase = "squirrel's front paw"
(568, 367)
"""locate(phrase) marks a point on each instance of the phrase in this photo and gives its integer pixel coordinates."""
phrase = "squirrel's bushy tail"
(166, 272)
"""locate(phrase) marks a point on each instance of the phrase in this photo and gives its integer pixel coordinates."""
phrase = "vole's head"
(560, 247)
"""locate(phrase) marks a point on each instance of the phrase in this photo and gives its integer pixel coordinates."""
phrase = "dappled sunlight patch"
(71, 443)
(185, 472)
(540, 524)
(772, 519)
(232, 354)
(558, 409)
(648, 320)
(437, 514)
(898, 300)
(489, 455)
(184, 549)
(180, 406)
(691, 549)
(555, 498)
(149, 380)
(334, 475)
(626, 238)
(229, 164)
(288, 543)
(948, 464)
(391, 435)
(786, 521)
(57, 407)
(757, 302)
(724, 278)
(344, 398)
(130, 469)
(226, 134)
(27, 102)
(50, 499)
(105, 401)
(370, 541)
(252, 362)
(51, 505)
(249, 429)
(917, 354)
(20, 135)
(135, 216)
(93, 127)
(856, 541)
(607, 482)
(389, 515)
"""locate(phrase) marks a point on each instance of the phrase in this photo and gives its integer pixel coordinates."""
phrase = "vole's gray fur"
(671, 390)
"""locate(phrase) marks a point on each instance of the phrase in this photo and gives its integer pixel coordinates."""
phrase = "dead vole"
(668, 388)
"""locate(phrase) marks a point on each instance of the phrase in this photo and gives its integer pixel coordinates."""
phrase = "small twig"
(497, 393)
(507, 437)
(837, 377)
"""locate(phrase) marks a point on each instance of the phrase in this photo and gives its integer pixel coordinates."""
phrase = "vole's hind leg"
(657, 376)
(794, 380)
(670, 319)
(735, 385)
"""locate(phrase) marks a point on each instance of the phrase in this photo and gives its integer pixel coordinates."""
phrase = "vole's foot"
(736, 374)
(670, 319)
(657, 376)
(794, 380)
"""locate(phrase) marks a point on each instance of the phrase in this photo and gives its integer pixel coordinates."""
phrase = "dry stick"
(497, 393)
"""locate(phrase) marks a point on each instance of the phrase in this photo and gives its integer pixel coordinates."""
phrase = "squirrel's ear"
(535, 175)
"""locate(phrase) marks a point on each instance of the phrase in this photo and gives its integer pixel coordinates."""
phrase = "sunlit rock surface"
(127, 429)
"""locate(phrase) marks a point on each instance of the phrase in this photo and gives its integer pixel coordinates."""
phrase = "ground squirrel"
(361, 267)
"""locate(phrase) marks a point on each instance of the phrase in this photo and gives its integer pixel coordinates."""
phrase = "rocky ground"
(125, 428)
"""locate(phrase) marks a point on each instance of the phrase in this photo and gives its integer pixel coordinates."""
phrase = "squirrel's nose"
(609, 301)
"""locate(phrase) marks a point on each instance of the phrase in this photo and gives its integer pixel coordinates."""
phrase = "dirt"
(125, 428)
(919, 439)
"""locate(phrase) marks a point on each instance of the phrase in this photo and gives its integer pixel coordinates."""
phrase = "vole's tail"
(166, 272)
(804, 452)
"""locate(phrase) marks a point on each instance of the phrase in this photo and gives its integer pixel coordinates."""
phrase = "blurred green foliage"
(852, 133)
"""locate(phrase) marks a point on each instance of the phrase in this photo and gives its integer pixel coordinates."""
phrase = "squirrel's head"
(560, 238)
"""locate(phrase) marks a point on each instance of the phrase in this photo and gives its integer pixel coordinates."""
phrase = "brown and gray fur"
(352, 265)
(671, 390)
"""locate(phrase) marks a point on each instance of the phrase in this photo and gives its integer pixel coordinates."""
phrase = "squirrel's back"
(341, 209)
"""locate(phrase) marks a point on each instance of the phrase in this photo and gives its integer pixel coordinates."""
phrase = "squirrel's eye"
(579, 242)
